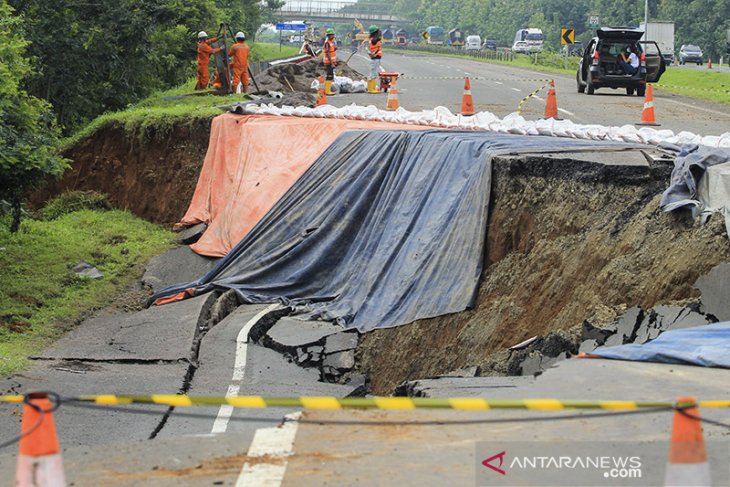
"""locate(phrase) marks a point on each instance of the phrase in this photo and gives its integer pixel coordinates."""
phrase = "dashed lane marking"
(272, 446)
(516, 89)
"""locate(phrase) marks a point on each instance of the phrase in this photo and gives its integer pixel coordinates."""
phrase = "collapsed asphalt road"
(197, 346)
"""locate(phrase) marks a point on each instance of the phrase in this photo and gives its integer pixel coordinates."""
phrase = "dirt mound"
(153, 175)
(292, 77)
(566, 241)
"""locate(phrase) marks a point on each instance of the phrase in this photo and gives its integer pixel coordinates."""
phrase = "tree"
(28, 134)
(103, 55)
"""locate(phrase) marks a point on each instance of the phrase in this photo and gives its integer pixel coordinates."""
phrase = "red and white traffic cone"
(687, 465)
(467, 103)
(647, 114)
(39, 459)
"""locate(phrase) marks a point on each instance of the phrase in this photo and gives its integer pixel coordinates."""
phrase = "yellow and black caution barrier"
(479, 78)
(522, 102)
(382, 403)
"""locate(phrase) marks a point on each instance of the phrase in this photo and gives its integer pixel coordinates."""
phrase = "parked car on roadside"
(599, 66)
(689, 53)
(473, 43)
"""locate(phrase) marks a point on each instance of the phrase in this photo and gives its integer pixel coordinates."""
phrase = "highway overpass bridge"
(330, 12)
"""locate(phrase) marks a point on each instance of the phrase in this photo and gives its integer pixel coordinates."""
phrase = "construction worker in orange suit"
(239, 56)
(204, 52)
(329, 51)
(376, 53)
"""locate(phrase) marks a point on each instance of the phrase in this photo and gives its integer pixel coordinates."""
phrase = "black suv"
(599, 66)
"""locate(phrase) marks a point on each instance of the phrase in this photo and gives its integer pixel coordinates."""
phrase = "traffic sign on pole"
(594, 20)
(567, 36)
(291, 26)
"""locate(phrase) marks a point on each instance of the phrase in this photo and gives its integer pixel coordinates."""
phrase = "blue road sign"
(291, 27)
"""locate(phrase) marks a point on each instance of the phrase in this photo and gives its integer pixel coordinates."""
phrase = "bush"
(71, 201)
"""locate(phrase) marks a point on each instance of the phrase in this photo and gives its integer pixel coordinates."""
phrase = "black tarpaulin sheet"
(385, 228)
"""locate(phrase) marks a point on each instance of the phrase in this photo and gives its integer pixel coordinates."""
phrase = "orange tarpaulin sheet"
(252, 161)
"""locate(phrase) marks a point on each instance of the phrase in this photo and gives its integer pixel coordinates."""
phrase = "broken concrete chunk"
(331, 373)
(588, 346)
(192, 234)
(593, 333)
(341, 361)
(86, 270)
(690, 316)
(340, 341)
(531, 364)
(628, 323)
(716, 292)
(288, 334)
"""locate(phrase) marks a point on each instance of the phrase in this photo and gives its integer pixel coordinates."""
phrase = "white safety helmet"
(240, 35)
(202, 34)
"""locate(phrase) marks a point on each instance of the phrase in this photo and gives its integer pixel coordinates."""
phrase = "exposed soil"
(566, 241)
(298, 77)
(153, 175)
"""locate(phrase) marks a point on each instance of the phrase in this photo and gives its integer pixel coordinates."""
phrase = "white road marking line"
(239, 369)
(498, 82)
(516, 89)
(275, 445)
(566, 112)
(537, 98)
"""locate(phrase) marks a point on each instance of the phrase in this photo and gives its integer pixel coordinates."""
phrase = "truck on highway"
(456, 38)
(661, 32)
(528, 41)
(435, 34)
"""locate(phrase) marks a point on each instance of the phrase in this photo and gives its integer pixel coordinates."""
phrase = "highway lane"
(503, 87)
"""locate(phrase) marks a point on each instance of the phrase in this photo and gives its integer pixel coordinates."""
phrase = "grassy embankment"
(40, 297)
(163, 109)
(703, 84)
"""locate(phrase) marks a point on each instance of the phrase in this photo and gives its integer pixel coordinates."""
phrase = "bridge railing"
(350, 8)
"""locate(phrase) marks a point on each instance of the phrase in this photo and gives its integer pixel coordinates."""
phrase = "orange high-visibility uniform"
(239, 55)
(376, 50)
(330, 52)
(204, 52)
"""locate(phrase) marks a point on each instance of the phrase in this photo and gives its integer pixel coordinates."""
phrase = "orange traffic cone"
(321, 95)
(39, 460)
(647, 115)
(392, 98)
(687, 465)
(709, 63)
(467, 104)
(551, 106)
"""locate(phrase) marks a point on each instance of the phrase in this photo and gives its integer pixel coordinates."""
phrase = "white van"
(473, 43)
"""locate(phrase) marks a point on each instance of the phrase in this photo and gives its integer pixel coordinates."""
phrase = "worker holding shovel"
(330, 61)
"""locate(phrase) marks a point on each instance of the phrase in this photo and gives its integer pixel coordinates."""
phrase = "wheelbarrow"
(386, 79)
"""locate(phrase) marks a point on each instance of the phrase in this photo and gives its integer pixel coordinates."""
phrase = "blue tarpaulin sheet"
(385, 228)
(702, 345)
